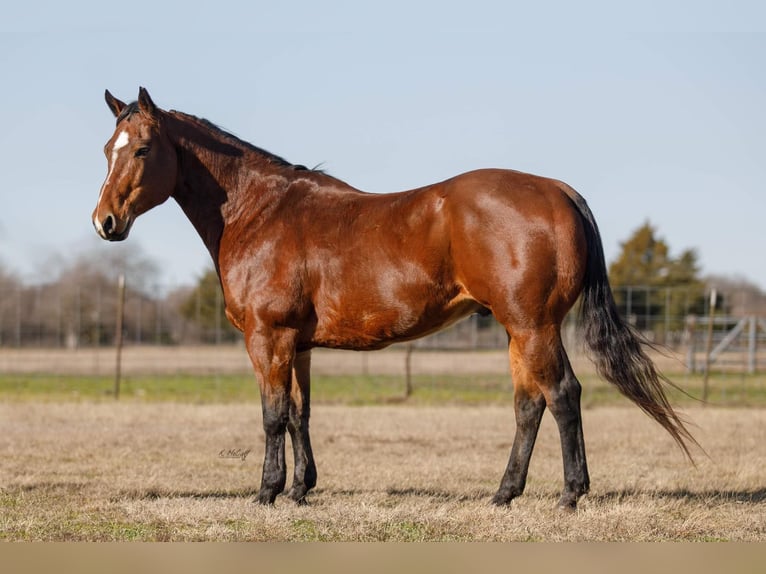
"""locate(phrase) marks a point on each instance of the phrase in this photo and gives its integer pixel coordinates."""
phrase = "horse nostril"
(108, 224)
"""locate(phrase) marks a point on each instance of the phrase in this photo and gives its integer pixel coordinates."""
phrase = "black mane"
(271, 157)
(132, 108)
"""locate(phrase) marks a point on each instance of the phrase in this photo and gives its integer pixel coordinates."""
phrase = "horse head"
(142, 166)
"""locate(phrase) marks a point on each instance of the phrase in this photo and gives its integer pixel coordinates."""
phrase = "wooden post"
(118, 334)
(408, 371)
(752, 345)
(709, 344)
(691, 328)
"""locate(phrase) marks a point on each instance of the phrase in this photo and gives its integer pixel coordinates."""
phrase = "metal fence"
(72, 316)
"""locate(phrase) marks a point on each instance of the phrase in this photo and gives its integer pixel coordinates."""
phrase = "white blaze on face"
(121, 141)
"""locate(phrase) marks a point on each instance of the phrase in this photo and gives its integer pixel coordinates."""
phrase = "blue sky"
(652, 110)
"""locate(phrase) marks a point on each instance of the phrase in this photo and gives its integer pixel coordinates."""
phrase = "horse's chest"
(262, 291)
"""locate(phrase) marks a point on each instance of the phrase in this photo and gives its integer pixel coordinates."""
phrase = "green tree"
(643, 260)
(205, 307)
(653, 289)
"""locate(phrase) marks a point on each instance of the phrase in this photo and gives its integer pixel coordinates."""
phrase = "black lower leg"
(305, 474)
(565, 406)
(529, 412)
(274, 469)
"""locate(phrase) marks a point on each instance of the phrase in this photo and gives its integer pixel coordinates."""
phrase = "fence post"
(408, 370)
(18, 316)
(118, 334)
(708, 345)
(691, 328)
(752, 345)
(78, 317)
(666, 335)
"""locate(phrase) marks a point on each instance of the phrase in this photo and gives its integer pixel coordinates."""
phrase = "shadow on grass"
(437, 494)
(756, 496)
(155, 494)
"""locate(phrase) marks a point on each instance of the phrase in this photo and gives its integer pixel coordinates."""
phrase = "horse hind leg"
(564, 403)
(529, 405)
(305, 473)
(542, 376)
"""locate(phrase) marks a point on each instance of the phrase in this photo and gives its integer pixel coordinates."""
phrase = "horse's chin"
(118, 236)
(122, 235)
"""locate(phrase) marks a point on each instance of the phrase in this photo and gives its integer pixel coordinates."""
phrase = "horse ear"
(114, 104)
(145, 103)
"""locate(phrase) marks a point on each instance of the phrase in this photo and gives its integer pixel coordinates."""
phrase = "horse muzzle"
(111, 228)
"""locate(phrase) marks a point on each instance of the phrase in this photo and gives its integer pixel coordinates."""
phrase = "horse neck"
(213, 174)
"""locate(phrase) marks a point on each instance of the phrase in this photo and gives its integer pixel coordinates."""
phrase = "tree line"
(77, 305)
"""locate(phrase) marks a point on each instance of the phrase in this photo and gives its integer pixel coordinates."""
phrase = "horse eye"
(142, 152)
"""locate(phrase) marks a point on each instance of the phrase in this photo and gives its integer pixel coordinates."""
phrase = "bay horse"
(305, 260)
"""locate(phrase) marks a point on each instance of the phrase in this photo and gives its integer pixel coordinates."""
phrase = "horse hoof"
(297, 497)
(266, 498)
(567, 506)
(501, 500)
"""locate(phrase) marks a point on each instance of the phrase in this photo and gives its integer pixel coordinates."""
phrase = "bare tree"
(10, 288)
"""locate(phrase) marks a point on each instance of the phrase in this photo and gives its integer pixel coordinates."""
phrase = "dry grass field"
(152, 471)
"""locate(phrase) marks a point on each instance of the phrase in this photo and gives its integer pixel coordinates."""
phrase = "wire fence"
(81, 315)
(84, 316)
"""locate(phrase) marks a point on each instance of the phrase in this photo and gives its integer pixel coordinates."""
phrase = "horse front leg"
(305, 474)
(272, 357)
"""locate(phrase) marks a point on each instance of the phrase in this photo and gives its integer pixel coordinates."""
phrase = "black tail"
(616, 346)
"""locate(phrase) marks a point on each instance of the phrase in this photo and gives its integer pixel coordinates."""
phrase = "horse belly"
(377, 327)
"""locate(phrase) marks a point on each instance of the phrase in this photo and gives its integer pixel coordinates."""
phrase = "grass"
(80, 466)
(135, 471)
(724, 389)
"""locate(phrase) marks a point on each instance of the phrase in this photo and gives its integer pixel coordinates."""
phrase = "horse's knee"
(276, 415)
